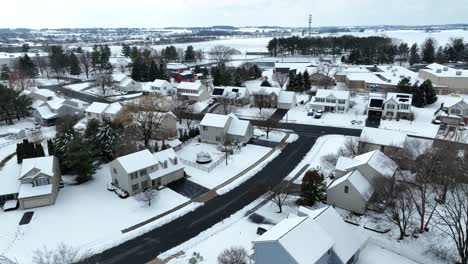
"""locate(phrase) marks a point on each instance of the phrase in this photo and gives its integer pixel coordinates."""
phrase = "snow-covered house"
(381, 139)
(42, 95)
(173, 68)
(330, 101)
(375, 106)
(47, 112)
(450, 80)
(216, 128)
(161, 87)
(356, 179)
(286, 100)
(235, 95)
(193, 91)
(135, 172)
(398, 105)
(264, 94)
(456, 106)
(40, 179)
(313, 237)
(124, 83)
(102, 111)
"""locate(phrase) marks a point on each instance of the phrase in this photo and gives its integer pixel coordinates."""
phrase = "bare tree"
(267, 124)
(147, 114)
(279, 195)
(227, 147)
(400, 208)
(225, 104)
(85, 60)
(63, 254)
(222, 54)
(233, 255)
(326, 78)
(262, 99)
(199, 55)
(146, 196)
(189, 115)
(449, 168)
(104, 81)
(280, 78)
(350, 148)
(452, 219)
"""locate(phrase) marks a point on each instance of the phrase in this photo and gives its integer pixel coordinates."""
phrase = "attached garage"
(34, 202)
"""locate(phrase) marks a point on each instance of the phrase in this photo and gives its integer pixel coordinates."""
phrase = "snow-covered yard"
(248, 112)
(86, 216)
(238, 162)
(79, 86)
(275, 135)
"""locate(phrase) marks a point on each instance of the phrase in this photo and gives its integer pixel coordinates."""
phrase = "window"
(89, 114)
(143, 172)
(165, 164)
(341, 108)
(455, 111)
(175, 161)
(404, 107)
(331, 101)
(218, 139)
(135, 187)
(41, 181)
(133, 175)
(342, 101)
(144, 184)
(319, 100)
(346, 189)
(389, 113)
(205, 128)
(116, 182)
(390, 106)
(115, 170)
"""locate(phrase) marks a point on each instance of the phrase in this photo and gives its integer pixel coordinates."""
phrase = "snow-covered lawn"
(275, 135)
(45, 81)
(22, 124)
(85, 216)
(325, 145)
(253, 112)
(79, 86)
(372, 254)
(236, 163)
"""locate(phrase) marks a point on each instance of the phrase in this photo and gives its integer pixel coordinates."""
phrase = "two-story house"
(47, 112)
(161, 87)
(330, 101)
(216, 128)
(456, 106)
(329, 240)
(398, 105)
(126, 84)
(135, 172)
(193, 91)
(40, 179)
(100, 111)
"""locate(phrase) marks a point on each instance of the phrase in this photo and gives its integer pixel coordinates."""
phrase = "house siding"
(351, 201)
(271, 253)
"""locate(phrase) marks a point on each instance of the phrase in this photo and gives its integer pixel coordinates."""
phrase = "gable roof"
(100, 108)
(118, 77)
(323, 93)
(168, 156)
(159, 83)
(451, 101)
(286, 97)
(379, 162)
(44, 165)
(358, 181)
(137, 161)
(238, 127)
(215, 120)
(190, 85)
(290, 234)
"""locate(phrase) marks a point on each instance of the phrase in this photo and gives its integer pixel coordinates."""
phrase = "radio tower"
(310, 25)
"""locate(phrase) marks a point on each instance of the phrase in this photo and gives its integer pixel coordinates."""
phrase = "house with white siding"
(312, 237)
(126, 84)
(158, 86)
(457, 106)
(398, 105)
(330, 101)
(135, 172)
(100, 111)
(193, 91)
(216, 129)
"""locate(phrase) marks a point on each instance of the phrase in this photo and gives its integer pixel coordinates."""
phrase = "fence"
(202, 167)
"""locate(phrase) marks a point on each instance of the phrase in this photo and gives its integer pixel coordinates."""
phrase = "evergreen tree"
(312, 188)
(419, 98)
(307, 82)
(429, 92)
(50, 147)
(189, 53)
(404, 86)
(428, 51)
(292, 85)
(75, 68)
(153, 72)
(39, 150)
(414, 55)
(440, 56)
(126, 50)
(5, 73)
(80, 159)
(19, 153)
(300, 82)
(103, 136)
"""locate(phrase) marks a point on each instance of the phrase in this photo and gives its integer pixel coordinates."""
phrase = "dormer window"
(41, 181)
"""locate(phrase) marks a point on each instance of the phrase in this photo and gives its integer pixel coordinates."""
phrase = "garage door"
(35, 202)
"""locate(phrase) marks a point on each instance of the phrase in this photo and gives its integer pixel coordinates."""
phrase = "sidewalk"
(212, 193)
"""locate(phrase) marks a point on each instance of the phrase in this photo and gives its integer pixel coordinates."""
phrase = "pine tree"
(419, 98)
(5, 73)
(50, 147)
(428, 51)
(266, 83)
(81, 159)
(300, 83)
(440, 56)
(153, 71)
(292, 85)
(126, 50)
(404, 86)
(414, 55)
(429, 92)
(75, 68)
(312, 188)
(307, 82)
(19, 153)
(39, 150)
(189, 53)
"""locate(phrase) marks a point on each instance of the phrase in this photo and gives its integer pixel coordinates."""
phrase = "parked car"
(318, 114)
(311, 112)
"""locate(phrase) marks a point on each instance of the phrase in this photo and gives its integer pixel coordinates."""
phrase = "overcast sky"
(163, 13)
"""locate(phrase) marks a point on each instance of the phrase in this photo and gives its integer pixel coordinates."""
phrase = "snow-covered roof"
(346, 242)
(159, 83)
(230, 91)
(323, 93)
(113, 108)
(345, 163)
(100, 108)
(215, 120)
(266, 90)
(43, 92)
(118, 77)
(383, 137)
(169, 157)
(452, 100)
(9, 177)
(291, 234)
(137, 161)
(43, 165)
(125, 82)
(27, 190)
(440, 70)
(379, 161)
(190, 85)
(45, 112)
(238, 127)
(55, 103)
(359, 182)
(286, 97)
(176, 66)
(401, 98)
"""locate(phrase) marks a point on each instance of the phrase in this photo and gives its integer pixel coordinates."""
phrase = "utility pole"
(310, 25)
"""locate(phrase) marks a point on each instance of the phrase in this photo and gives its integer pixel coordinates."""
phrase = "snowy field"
(236, 163)
(85, 216)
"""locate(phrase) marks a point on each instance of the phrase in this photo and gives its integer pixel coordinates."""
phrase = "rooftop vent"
(445, 68)
(439, 71)
(459, 73)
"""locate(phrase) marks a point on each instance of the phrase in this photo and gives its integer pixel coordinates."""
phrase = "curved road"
(148, 246)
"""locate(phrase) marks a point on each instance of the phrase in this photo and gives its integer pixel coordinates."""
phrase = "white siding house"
(216, 128)
(330, 101)
(124, 83)
(135, 172)
(102, 111)
(161, 87)
(286, 100)
(398, 105)
(193, 91)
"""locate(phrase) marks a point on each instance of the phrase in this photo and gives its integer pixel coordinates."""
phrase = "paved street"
(148, 246)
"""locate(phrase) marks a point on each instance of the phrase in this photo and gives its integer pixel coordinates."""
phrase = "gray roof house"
(40, 178)
(216, 128)
(47, 112)
(140, 170)
(356, 178)
(313, 237)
